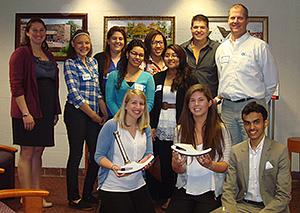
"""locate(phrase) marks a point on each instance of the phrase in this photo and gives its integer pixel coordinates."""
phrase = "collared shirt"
(253, 192)
(82, 82)
(205, 69)
(135, 148)
(246, 69)
(153, 68)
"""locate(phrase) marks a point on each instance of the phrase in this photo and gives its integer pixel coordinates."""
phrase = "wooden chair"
(32, 198)
(7, 162)
(294, 146)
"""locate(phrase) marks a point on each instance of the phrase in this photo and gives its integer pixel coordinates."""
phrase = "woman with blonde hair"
(120, 192)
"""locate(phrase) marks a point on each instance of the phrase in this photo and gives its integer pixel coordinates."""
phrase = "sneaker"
(47, 204)
(81, 205)
(91, 200)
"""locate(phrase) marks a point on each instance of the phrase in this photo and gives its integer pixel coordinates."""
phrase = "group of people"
(154, 95)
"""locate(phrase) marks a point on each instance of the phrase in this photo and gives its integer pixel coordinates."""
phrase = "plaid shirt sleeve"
(72, 82)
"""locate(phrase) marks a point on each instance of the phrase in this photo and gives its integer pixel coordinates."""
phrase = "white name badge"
(139, 86)
(158, 88)
(86, 77)
(224, 59)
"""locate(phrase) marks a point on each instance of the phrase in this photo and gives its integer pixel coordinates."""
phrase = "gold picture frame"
(60, 28)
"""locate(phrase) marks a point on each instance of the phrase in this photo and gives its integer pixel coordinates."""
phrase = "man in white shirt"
(246, 70)
(258, 178)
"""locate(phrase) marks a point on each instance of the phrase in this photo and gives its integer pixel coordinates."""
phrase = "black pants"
(80, 128)
(183, 202)
(164, 189)
(137, 201)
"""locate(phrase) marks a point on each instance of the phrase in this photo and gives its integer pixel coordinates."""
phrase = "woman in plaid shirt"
(81, 116)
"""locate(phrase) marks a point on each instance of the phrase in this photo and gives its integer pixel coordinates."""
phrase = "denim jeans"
(231, 114)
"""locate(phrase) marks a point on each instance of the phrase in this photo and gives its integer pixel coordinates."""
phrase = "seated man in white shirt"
(258, 178)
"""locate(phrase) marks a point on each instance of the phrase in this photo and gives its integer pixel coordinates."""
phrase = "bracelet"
(112, 167)
(211, 166)
(25, 115)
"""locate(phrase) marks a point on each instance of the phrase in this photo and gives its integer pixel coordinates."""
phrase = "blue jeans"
(231, 114)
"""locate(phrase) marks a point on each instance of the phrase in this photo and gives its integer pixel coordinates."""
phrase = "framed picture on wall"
(139, 26)
(60, 28)
(219, 29)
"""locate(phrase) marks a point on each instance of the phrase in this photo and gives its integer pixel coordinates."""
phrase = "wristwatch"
(25, 115)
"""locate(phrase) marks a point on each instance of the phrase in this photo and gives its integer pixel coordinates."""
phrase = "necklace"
(126, 124)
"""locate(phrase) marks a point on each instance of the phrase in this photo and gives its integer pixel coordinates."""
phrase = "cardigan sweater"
(159, 79)
(23, 81)
(106, 144)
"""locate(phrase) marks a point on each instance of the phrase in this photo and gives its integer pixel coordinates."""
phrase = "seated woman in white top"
(126, 193)
(200, 179)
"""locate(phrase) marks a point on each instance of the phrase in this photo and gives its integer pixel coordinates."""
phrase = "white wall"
(284, 35)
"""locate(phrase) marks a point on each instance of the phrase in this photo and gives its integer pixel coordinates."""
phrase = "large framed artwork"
(60, 28)
(219, 29)
(139, 26)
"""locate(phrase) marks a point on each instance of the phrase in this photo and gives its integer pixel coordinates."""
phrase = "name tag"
(86, 77)
(224, 59)
(139, 86)
(158, 88)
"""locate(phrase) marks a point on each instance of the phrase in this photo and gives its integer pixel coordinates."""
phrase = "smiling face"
(135, 56)
(36, 33)
(199, 30)
(237, 21)
(157, 46)
(255, 125)
(171, 59)
(82, 45)
(199, 104)
(116, 42)
(134, 107)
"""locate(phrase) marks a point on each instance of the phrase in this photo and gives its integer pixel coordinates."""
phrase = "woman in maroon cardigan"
(35, 104)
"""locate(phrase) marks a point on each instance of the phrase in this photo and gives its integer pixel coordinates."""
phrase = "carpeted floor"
(57, 188)
(58, 196)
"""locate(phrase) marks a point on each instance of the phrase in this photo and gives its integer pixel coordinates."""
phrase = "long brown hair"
(213, 137)
(71, 53)
(27, 28)
(110, 33)
(124, 60)
(148, 43)
(183, 70)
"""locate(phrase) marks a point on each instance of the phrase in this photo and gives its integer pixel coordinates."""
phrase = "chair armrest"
(8, 148)
(32, 198)
(9, 193)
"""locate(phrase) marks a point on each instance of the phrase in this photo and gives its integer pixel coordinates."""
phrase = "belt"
(261, 204)
(166, 105)
(240, 100)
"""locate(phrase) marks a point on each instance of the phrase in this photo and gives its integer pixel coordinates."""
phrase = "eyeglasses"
(157, 43)
(135, 54)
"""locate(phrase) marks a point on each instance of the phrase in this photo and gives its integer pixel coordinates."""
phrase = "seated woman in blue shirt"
(129, 76)
(200, 179)
(119, 192)
(81, 117)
